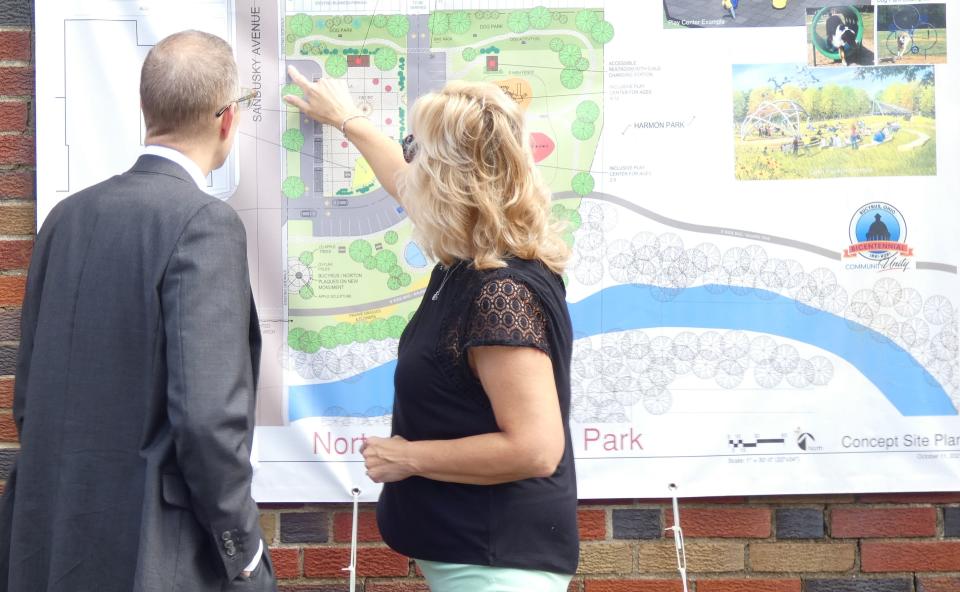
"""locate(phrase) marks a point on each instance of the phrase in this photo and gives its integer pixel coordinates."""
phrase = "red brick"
(750, 585)
(367, 531)
(15, 46)
(325, 562)
(926, 584)
(910, 498)
(8, 429)
(633, 586)
(16, 149)
(13, 116)
(401, 586)
(15, 254)
(592, 524)
(286, 562)
(12, 288)
(6, 392)
(852, 522)
(16, 81)
(909, 556)
(723, 522)
(16, 184)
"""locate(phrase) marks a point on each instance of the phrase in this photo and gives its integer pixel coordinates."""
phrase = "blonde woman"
(479, 483)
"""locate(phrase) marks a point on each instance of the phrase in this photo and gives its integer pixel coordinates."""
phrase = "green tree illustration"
(582, 130)
(571, 78)
(385, 59)
(519, 22)
(336, 65)
(294, 187)
(391, 237)
(301, 25)
(438, 23)
(360, 250)
(460, 22)
(292, 140)
(602, 32)
(582, 183)
(540, 18)
(398, 25)
(586, 20)
(570, 54)
(588, 111)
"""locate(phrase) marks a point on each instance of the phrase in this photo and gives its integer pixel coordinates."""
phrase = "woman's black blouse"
(530, 524)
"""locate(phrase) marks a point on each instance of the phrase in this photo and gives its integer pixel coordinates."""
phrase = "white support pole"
(352, 568)
(678, 537)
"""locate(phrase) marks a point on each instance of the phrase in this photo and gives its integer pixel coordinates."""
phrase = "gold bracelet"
(343, 125)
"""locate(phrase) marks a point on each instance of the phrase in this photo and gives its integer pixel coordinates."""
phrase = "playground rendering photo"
(795, 122)
(841, 36)
(912, 33)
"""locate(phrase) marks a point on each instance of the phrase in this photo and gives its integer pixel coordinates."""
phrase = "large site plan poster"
(761, 197)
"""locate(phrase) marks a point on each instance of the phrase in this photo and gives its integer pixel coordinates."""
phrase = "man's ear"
(226, 121)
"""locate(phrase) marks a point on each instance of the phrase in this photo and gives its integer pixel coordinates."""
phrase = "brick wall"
(846, 543)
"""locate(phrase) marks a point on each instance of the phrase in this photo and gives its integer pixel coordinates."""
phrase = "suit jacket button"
(226, 535)
(231, 548)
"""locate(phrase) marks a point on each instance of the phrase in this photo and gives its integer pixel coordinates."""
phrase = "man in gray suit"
(139, 352)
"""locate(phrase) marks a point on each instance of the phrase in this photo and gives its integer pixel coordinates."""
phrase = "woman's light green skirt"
(459, 577)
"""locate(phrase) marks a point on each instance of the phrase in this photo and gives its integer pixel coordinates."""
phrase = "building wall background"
(837, 543)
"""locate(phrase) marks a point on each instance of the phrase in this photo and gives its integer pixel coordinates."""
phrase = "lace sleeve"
(506, 312)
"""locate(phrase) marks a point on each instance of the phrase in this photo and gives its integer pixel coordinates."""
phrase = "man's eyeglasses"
(246, 99)
(409, 146)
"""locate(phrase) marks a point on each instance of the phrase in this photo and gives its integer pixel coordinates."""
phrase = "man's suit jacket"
(134, 396)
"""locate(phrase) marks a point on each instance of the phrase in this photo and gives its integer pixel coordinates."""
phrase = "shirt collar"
(192, 168)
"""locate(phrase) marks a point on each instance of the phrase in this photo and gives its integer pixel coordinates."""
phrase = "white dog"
(904, 43)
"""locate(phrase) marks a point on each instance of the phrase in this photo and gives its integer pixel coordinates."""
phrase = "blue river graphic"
(906, 384)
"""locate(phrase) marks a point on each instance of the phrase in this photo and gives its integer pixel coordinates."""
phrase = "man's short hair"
(185, 79)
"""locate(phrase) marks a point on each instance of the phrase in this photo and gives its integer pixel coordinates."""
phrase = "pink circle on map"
(389, 121)
(376, 81)
(344, 144)
(388, 88)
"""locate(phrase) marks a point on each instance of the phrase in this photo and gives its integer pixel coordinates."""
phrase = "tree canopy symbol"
(519, 22)
(291, 89)
(602, 32)
(306, 258)
(385, 260)
(391, 237)
(583, 64)
(336, 65)
(294, 187)
(586, 20)
(293, 140)
(379, 21)
(582, 130)
(540, 18)
(569, 55)
(588, 111)
(582, 183)
(398, 25)
(359, 250)
(571, 78)
(460, 22)
(469, 54)
(438, 23)
(301, 25)
(556, 44)
(385, 59)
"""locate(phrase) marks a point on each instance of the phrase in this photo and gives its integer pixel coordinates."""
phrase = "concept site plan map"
(764, 274)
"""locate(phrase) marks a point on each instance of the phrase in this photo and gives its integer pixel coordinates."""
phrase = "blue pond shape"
(414, 256)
